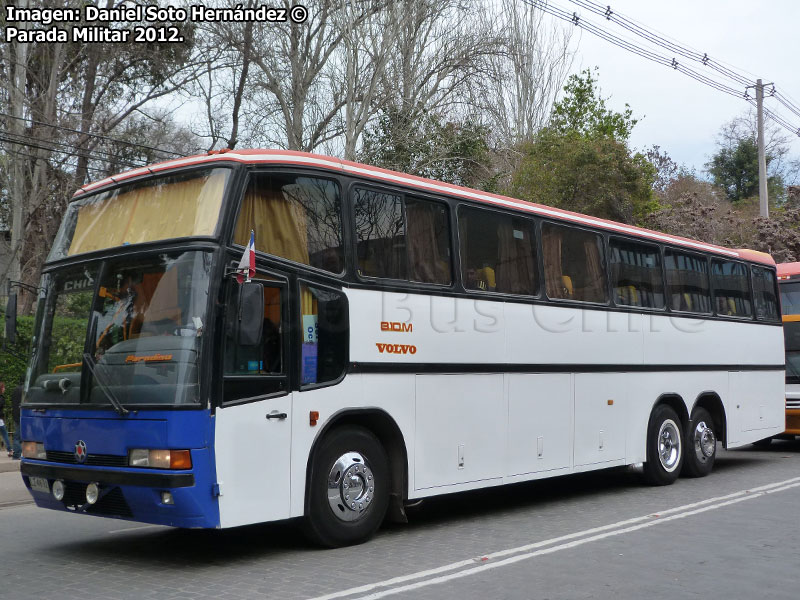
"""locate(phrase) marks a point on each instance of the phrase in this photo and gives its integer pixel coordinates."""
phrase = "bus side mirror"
(251, 313)
(11, 319)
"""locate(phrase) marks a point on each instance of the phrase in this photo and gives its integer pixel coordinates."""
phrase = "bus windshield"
(790, 298)
(132, 327)
(791, 332)
(173, 206)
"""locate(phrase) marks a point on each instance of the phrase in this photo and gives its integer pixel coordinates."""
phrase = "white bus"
(401, 338)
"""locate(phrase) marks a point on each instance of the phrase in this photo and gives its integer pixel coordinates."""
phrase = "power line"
(94, 135)
(96, 154)
(78, 154)
(33, 156)
(670, 61)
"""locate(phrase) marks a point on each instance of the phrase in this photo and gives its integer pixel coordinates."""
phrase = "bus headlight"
(160, 459)
(33, 450)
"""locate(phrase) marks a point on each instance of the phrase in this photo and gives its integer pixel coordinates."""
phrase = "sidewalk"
(6, 463)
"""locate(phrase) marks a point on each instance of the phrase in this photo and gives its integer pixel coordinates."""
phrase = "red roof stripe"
(301, 158)
(789, 269)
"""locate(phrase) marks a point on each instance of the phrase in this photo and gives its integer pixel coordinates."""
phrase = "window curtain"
(153, 212)
(278, 219)
(426, 263)
(515, 268)
(595, 289)
(551, 253)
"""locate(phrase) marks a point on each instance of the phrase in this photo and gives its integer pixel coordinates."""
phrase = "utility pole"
(762, 159)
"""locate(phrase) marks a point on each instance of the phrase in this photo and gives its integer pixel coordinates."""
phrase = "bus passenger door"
(253, 430)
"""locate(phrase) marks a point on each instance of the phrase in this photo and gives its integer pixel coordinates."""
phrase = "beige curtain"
(426, 263)
(515, 267)
(595, 289)
(152, 212)
(278, 219)
(551, 253)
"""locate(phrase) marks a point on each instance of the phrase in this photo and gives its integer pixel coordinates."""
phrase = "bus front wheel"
(349, 488)
(701, 444)
(664, 446)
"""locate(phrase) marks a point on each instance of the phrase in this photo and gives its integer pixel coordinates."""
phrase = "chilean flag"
(247, 266)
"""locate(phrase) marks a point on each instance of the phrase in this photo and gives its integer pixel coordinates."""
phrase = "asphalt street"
(599, 535)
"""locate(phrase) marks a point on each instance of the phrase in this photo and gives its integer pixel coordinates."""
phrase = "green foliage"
(581, 162)
(14, 359)
(428, 146)
(592, 175)
(584, 111)
(735, 169)
(67, 343)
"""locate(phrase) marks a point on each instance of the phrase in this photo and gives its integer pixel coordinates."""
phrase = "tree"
(581, 161)
(455, 152)
(583, 110)
(593, 175)
(734, 166)
(60, 102)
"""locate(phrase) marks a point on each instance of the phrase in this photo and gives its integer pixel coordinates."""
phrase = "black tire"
(765, 443)
(338, 458)
(700, 446)
(663, 468)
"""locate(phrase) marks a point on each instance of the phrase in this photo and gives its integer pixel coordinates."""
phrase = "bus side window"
(731, 288)
(255, 370)
(574, 266)
(380, 233)
(324, 329)
(636, 275)
(765, 296)
(688, 288)
(498, 252)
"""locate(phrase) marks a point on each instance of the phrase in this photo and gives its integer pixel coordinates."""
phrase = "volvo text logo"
(80, 451)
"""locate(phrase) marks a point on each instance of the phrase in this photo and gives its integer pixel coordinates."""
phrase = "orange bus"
(789, 285)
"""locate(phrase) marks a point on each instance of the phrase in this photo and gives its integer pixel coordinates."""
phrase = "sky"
(679, 114)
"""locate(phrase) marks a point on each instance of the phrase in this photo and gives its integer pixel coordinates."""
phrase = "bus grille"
(111, 504)
(793, 404)
(95, 460)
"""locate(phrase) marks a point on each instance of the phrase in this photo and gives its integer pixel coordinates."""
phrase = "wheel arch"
(383, 427)
(676, 403)
(712, 402)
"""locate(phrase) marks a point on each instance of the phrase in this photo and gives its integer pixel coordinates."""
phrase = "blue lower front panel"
(134, 494)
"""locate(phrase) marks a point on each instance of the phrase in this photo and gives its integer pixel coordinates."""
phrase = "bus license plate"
(40, 484)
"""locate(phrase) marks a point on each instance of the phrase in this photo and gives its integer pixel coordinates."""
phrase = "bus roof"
(788, 269)
(289, 157)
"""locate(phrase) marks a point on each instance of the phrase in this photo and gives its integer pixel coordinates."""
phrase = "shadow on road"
(199, 548)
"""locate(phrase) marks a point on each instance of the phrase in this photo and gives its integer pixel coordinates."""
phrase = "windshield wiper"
(121, 410)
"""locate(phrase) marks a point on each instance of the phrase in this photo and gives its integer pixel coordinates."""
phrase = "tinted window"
(498, 253)
(636, 275)
(294, 217)
(790, 298)
(324, 334)
(574, 267)
(764, 295)
(258, 369)
(401, 238)
(428, 239)
(380, 234)
(731, 288)
(687, 282)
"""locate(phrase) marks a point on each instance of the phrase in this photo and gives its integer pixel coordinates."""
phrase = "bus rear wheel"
(701, 444)
(664, 446)
(348, 488)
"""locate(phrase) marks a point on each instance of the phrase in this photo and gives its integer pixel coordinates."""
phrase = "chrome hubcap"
(351, 486)
(704, 441)
(669, 445)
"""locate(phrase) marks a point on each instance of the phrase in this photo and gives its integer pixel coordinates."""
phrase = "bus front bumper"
(158, 497)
